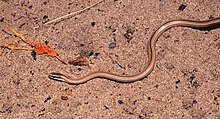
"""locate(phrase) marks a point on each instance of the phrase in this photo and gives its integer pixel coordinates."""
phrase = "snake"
(200, 25)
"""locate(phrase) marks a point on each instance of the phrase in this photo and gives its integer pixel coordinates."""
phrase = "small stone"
(112, 45)
(93, 24)
(120, 102)
(182, 7)
(64, 98)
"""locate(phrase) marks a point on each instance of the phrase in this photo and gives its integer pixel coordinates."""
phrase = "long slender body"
(151, 54)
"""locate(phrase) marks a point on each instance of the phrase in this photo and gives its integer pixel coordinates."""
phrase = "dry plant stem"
(72, 14)
(38, 49)
(8, 45)
(11, 49)
(2, 51)
(15, 48)
(151, 55)
(20, 36)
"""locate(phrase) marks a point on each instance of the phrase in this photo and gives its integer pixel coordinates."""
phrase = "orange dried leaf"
(69, 92)
(79, 61)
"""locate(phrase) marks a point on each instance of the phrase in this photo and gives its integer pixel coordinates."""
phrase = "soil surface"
(113, 35)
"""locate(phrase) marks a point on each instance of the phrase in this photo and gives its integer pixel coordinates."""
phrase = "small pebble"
(182, 7)
(112, 45)
(93, 24)
(64, 98)
(33, 54)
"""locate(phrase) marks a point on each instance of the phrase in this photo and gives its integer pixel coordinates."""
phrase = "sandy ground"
(185, 83)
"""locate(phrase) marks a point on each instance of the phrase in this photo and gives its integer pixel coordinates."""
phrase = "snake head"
(57, 77)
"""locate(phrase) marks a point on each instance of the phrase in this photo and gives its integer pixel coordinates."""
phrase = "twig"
(72, 14)
(37, 48)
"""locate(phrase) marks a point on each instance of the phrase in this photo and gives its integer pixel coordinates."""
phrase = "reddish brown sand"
(184, 84)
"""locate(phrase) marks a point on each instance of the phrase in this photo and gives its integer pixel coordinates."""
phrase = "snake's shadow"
(208, 28)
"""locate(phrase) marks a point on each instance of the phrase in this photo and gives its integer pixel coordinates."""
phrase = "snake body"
(151, 54)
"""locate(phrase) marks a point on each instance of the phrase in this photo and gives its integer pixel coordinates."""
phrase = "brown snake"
(151, 54)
